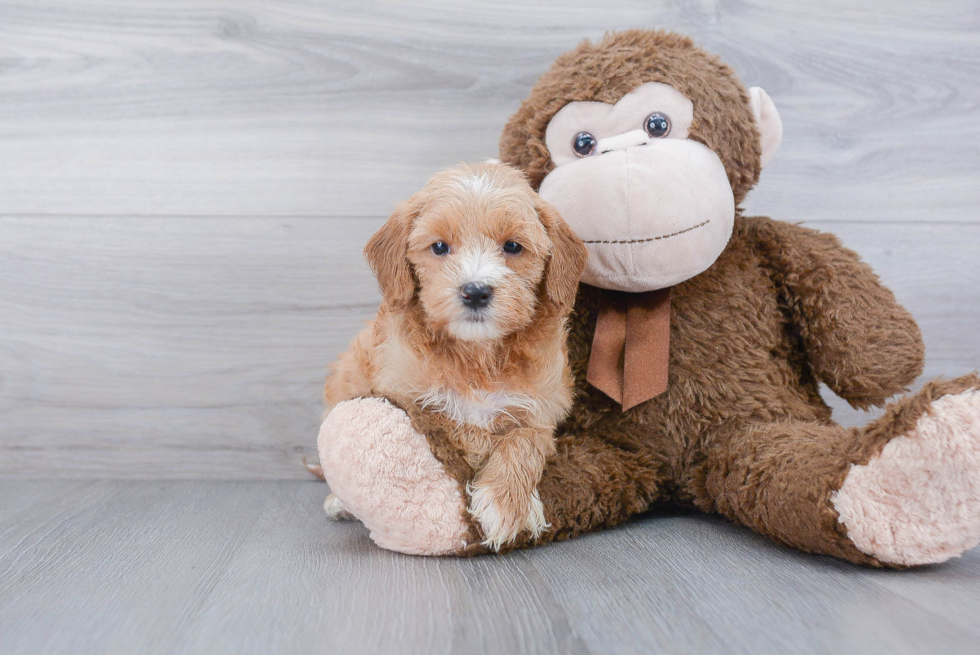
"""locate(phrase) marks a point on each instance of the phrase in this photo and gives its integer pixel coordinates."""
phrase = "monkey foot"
(382, 471)
(918, 502)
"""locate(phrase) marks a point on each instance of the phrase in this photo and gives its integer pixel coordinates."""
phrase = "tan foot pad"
(918, 502)
(383, 473)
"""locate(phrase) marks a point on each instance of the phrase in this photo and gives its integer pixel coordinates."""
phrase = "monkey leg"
(591, 484)
(902, 491)
(384, 472)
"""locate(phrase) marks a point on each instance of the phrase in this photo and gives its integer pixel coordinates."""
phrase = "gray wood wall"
(185, 189)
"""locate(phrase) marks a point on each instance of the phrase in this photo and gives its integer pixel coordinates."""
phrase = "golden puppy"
(478, 275)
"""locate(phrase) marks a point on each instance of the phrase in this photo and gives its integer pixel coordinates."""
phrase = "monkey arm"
(858, 339)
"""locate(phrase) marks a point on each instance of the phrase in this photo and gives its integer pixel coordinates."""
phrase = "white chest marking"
(480, 408)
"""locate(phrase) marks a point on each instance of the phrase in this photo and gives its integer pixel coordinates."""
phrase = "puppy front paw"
(535, 522)
(335, 509)
(503, 515)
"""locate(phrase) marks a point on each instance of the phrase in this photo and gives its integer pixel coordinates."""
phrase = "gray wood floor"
(255, 567)
(185, 189)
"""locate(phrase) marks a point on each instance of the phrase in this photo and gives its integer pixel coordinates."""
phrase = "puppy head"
(481, 252)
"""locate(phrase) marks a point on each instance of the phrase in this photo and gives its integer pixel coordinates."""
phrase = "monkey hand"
(858, 339)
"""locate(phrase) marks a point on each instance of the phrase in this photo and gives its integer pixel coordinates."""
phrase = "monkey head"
(647, 145)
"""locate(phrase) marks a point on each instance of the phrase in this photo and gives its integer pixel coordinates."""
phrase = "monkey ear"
(768, 121)
(387, 255)
(567, 260)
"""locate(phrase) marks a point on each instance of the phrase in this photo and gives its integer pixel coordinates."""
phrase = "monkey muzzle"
(651, 214)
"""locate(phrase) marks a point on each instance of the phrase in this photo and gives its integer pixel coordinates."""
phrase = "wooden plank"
(174, 347)
(290, 108)
(255, 567)
(697, 584)
(301, 583)
(110, 567)
(179, 347)
(948, 590)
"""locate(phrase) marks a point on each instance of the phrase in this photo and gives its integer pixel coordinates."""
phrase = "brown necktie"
(631, 346)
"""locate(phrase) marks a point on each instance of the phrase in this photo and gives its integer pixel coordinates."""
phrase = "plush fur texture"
(608, 70)
(742, 429)
(387, 477)
(497, 374)
(918, 501)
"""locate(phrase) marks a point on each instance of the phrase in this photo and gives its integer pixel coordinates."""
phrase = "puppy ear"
(567, 261)
(387, 255)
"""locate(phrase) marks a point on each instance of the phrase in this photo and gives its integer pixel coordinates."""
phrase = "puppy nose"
(476, 295)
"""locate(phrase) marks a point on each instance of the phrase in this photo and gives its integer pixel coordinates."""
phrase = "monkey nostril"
(476, 295)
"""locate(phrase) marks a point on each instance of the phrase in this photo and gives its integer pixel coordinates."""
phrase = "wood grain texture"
(255, 567)
(173, 347)
(304, 107)
(188, 348)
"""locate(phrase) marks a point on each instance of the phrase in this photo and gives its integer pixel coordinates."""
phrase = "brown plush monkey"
(698, 340)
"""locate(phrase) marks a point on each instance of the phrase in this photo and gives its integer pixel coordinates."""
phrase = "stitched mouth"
(659, 238)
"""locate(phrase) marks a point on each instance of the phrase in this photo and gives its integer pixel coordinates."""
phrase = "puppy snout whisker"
(476, 295)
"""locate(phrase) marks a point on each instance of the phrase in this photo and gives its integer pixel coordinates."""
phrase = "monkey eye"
(439, 248)
(512, 247)
(657, 125)
(584, 144)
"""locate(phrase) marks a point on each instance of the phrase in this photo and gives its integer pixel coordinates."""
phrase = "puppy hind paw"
(335, 509)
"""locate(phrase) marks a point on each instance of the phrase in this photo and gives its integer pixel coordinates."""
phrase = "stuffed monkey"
(698, 340)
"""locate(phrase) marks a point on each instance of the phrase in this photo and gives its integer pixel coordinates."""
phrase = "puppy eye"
(439, 248)
(657, 125)
(512, 247)
(584, 144)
